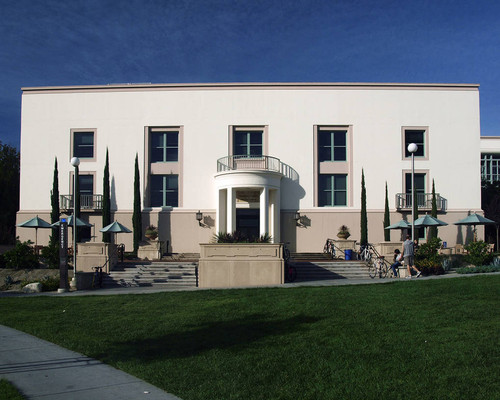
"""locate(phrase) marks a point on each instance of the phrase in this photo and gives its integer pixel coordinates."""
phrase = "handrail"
(331, 242)
(261, 163)
(424, 201)
(87, 201)
(119, 249)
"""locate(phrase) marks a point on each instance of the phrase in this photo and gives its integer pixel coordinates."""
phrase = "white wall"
(376, 114)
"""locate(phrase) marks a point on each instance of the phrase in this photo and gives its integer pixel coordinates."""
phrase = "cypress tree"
(364, 217)
(54, 201)
(433, 230)
(387, 217)
(137, 216)
(106, 206)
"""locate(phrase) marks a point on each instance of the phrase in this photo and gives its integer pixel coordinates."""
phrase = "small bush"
(428, 259)
(21, 256)
(478, 253)
(479, 270)
(50, 255)
(240, 237)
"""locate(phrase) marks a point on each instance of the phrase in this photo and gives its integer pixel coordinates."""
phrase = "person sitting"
(398, 257)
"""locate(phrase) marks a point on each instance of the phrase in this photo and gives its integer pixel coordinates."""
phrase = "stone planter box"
(345, 244)
(386, 249)
(94, 254)
(224, 265)
(149, 250)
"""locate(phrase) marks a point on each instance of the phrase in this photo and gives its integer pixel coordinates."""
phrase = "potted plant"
(151, 232)
(343, 232)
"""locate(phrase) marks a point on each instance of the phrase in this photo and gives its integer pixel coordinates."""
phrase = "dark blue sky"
(53, 42)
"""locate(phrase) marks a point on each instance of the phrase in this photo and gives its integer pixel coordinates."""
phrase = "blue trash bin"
(348, 254)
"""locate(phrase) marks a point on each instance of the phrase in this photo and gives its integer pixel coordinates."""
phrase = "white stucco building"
(250, 156)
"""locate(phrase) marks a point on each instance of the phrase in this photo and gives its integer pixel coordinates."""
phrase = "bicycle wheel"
(372, 269)
(382, 269)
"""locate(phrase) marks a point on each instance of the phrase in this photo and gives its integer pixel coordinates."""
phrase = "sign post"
(63, 256)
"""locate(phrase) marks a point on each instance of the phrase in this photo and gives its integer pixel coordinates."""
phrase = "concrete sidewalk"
(43, 370)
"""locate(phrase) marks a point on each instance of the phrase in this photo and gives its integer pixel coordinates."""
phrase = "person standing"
(409, 256)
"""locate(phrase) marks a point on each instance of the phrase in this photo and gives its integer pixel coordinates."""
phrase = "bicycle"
(378, 268)
(97, 277)
(366, 253)
(290, 270)
(329, 248)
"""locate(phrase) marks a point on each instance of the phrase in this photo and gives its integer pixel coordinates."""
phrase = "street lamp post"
(412, 148)
(75, 162)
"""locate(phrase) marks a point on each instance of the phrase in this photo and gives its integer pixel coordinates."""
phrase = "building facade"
(278, 159)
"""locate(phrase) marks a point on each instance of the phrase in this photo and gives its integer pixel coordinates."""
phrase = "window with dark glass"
(164, 190)
(83, 144)
(416, 136)
(332, 190)
(419, 188)
(332, 145)
(164, 146)
(247, 143)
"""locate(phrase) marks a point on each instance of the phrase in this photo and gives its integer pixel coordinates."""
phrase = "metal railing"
(87, 201)
(261, 163)
(424, 201)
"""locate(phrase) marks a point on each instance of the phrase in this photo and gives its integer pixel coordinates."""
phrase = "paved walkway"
(43, 370)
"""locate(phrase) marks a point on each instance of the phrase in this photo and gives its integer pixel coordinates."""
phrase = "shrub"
(479, 270)
(477, 253)
(427, 255)
(240, 237)
(50, 255)
(21, 256)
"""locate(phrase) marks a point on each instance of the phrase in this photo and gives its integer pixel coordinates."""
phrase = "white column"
(274, 200)
(220, 223)
(264, 211)
(231, 211)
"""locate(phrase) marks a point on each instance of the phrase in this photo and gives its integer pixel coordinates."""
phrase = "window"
(164, 146)
(416, 136)
(419, 188)
(332, 190)
(164, 191)
(83, 144)
(490, 167)
(332, 145)
(247, 143)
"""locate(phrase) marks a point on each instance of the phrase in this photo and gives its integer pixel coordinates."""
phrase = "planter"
(343, 235)
(240, 265)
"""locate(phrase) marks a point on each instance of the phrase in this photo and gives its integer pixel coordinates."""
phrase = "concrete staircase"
(159, 274)
(319, 266)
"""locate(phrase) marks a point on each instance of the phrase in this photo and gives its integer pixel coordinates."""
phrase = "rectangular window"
(332, 145)
(164, 146)
(419, 188)
(332, 190)
(86, 184)
(247, 143)
(83, 144)
(416, 136)
(164, 190)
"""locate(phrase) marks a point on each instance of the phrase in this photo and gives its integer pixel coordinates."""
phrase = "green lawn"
(419, 339)
(8, 391)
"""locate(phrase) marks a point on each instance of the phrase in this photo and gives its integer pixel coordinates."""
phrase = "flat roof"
(251, 85)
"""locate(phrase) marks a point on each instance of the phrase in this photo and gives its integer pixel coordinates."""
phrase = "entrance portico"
(239, 190)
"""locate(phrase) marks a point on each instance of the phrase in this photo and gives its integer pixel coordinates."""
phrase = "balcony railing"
(262, 163)
(424, 201)
(92, 202)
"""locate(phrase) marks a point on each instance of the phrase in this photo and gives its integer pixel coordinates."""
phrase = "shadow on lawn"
(236, 334)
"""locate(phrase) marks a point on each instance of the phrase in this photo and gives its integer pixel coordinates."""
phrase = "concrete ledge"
(240, 265)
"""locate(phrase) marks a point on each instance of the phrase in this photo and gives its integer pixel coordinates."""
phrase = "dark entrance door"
(247, 221)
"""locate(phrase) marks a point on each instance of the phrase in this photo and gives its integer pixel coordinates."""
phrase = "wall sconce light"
(199, 217)
(296, 217)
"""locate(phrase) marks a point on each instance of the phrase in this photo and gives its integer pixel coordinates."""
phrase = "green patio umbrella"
(399, 225)
(476, 219)
(36, 223)
(428, 220)
(115, 227)
(79, 222)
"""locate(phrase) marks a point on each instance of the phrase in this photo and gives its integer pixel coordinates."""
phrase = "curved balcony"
(259, 163)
